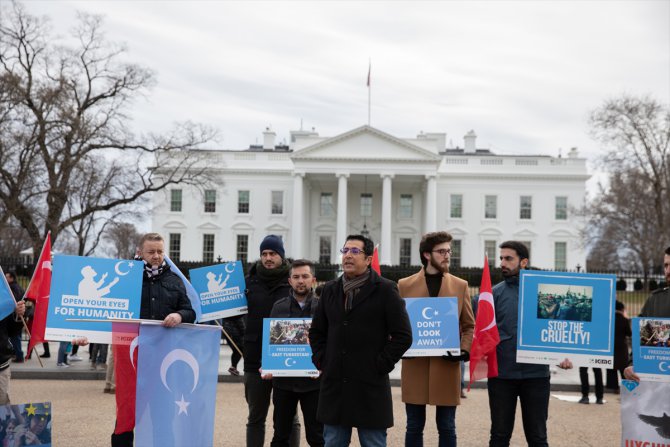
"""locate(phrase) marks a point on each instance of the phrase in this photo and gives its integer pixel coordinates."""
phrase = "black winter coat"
(356, 350)
(288, 307)
(8, 328)
(163, 295)
(260, 299)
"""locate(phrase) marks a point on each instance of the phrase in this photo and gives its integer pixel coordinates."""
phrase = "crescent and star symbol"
(425, 311)
(487, 297)
(232, 268)
(289, 362)
(118, 270)
(186, 357)
(660, 366)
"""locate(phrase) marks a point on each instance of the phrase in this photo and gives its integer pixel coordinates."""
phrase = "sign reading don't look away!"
(84, 288)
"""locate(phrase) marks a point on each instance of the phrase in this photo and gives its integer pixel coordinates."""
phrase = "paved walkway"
(561, 380)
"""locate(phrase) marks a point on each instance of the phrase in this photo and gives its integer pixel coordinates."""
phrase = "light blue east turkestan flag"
(7, 302)
(190, 290)
(177, 371)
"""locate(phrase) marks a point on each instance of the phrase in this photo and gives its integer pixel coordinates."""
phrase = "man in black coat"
(358, 334)
(18, 293)
(9, 326)
(267, 282)
(288, 391)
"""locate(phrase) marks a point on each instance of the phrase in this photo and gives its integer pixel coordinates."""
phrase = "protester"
(18, 292)
(10, 326)
(436, 380)
(234, 334)
(163, 298)
(267, 283)
(359, 332)
(288, 391)
(527, 382)
(657, 305)
(622, 333)
(584, 380)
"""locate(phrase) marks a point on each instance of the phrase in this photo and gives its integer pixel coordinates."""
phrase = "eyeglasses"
(353, 250)
(443, 251)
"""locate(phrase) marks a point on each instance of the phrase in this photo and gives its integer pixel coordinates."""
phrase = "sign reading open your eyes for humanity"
(84, 288)
(220, 289)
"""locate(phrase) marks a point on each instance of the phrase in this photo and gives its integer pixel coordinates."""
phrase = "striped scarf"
(352, 287)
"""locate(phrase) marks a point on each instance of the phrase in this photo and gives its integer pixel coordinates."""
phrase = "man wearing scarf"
(359, 332)
(267, 282)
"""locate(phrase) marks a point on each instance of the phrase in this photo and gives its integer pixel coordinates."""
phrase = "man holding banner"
(657, 305)
(435, 380)
(527, 382)
(163, 298)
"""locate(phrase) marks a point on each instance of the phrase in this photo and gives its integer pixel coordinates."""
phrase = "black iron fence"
(633, 288)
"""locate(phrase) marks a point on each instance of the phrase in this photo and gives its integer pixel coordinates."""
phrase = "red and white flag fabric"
(483, 359)
(124, 343)
(38, 291)
(375, 261)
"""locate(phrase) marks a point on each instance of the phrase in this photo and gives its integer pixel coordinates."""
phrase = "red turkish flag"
(375, 261)
(38, 291)
(486, 337)
(124, 344)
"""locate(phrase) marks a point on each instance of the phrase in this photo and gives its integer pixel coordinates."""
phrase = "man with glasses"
(359, 332)
(435, 380)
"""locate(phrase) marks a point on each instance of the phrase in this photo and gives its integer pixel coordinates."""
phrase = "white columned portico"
(298, 215)
(385, 245)
(341, 211)
(431, 203)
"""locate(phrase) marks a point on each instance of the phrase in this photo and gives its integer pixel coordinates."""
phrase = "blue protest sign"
(177, 371)
(7, 301)
(651, 348)
(91, 289)
(566, 315)
(286, 350)
(221, 290)
(435, 329)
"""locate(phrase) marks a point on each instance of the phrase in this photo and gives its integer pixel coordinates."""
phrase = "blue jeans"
(340, 436)
(445, 418)
(16, 342)
(534, 396)
(62, 352)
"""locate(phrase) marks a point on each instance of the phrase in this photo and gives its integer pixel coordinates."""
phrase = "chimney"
(269, 139)
(573, 153)
(470, 142)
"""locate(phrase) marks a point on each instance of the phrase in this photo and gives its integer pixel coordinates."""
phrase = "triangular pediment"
(366, 143)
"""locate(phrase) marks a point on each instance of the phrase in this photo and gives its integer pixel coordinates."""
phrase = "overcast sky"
(523, 74)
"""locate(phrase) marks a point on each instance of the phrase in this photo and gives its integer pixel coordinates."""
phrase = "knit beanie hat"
(274, 243)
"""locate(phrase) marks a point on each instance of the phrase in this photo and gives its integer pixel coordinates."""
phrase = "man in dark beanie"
(267, 282)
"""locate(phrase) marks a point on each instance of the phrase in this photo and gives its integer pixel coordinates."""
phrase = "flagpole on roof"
(369, 88)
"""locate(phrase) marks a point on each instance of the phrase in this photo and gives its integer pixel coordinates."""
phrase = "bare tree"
(124, 237)
(64, 128)
(633, 209)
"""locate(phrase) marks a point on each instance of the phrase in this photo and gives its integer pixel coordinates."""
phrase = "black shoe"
(46, 355)
(584, 400)
(599, 401)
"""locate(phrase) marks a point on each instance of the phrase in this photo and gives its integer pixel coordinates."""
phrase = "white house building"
(316, 190)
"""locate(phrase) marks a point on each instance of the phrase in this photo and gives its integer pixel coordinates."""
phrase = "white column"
(298, 216)
(341, 212)
(385, 245)
(431, 203)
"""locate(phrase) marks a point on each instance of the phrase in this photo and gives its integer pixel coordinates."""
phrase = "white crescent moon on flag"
(118, 271)
(424, 311)
(133, 346)
(660, 366)
(287, 362)
(47, 265)
(232, 265)
(184, 356)
(487, 297)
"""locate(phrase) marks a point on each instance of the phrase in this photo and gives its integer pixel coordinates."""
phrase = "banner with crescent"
(221, 290)
(566, 315)
(435, 329)
(651, 348)
(84, 288)
(645, 414)
(286, 350)
(177, 372)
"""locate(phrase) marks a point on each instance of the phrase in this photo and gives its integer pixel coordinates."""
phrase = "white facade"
(397, 189)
